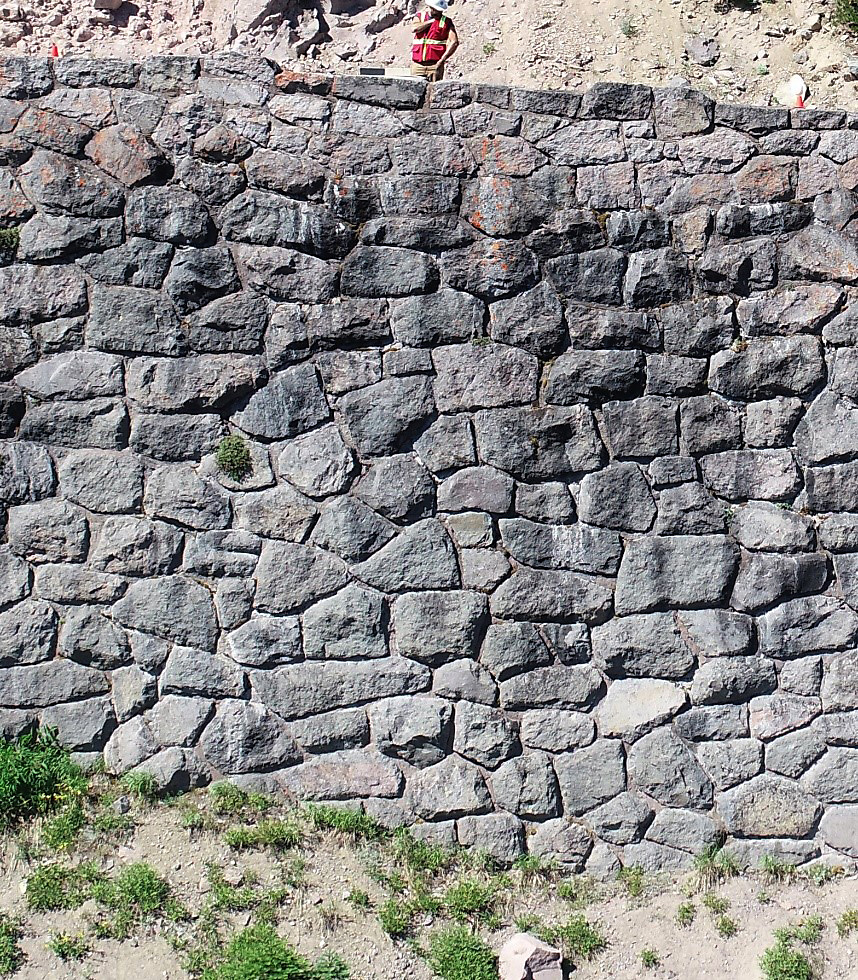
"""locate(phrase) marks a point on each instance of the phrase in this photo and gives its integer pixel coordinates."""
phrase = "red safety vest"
(429, 47)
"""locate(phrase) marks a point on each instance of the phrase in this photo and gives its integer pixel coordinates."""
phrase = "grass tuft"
(395, 917)
(258, 953)
(140, 784)
(279, 835)
(726, 927)
(470, 898)
(776, 870)
(579, 892)
(714, 865)
(228, 799)
(37, 776)
(781, 962)
(351, 823)
(456, 953)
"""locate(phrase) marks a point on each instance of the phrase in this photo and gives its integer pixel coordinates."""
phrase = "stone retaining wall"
(551, 402)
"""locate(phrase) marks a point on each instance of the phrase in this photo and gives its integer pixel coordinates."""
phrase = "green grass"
(776, 870)
(685, 914)
(577, 938)
(395, 917)
(331, 967)
(359, 899)
(278, 835)
(11, 955)
(726, 927)
(632, 879)
(228, 799)
(258, 953)
(140, 784)
(650, 958)
(233, 458)
(456, 953)
(713, 865)
(808, 932)
(351, 823)
(137, 895)
(847, 923)
(531, 868)
(61, 831)
(419, 856)
(37, 777)
(69, 947)
(846, 12)
(54, 887)
(579, 892)
(528, 922)
(470, 899)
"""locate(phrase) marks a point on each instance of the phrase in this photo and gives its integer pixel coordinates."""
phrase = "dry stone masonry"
(550, 540)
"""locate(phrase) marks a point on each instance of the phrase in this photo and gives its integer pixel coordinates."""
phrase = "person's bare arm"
(419, 26)
(452, 44)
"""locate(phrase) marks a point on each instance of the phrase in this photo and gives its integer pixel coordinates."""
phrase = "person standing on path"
(435, 40)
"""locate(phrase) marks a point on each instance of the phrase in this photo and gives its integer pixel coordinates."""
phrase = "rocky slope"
(739, 53)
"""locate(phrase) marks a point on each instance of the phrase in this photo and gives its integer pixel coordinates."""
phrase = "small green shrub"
(628, 28)
(632, 879)
(578, 938)
(37, 776)
(54, 888)
(69, 947)
(11, 954)
(395, 917)
(532, 867)
(847, 923)
(808, 931)
(716, 904)
(713, 865)
(258, 953)
(685, 914)
(279, 835)
(331, 967)
(359, 900)
(489, 49)
(61, 831)
(781, 962)
(820, 874)
(352, 823)
(650, 958)
(456, 953)
(846, 12)
(233, 458)
(726, 927)
(10, 238)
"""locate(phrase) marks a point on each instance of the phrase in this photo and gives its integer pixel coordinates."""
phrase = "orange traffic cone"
(798, 90)
(54, 51)
(799, 102)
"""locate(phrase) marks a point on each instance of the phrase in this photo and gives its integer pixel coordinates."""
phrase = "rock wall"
(550, 536)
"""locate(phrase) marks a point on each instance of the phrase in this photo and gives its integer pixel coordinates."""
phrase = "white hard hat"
(441, 5)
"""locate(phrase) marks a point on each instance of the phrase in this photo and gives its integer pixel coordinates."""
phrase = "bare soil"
(538, 43)
(318, 916)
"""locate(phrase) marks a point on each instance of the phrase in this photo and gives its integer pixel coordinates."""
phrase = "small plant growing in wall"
(233, 458)
(9, 240)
